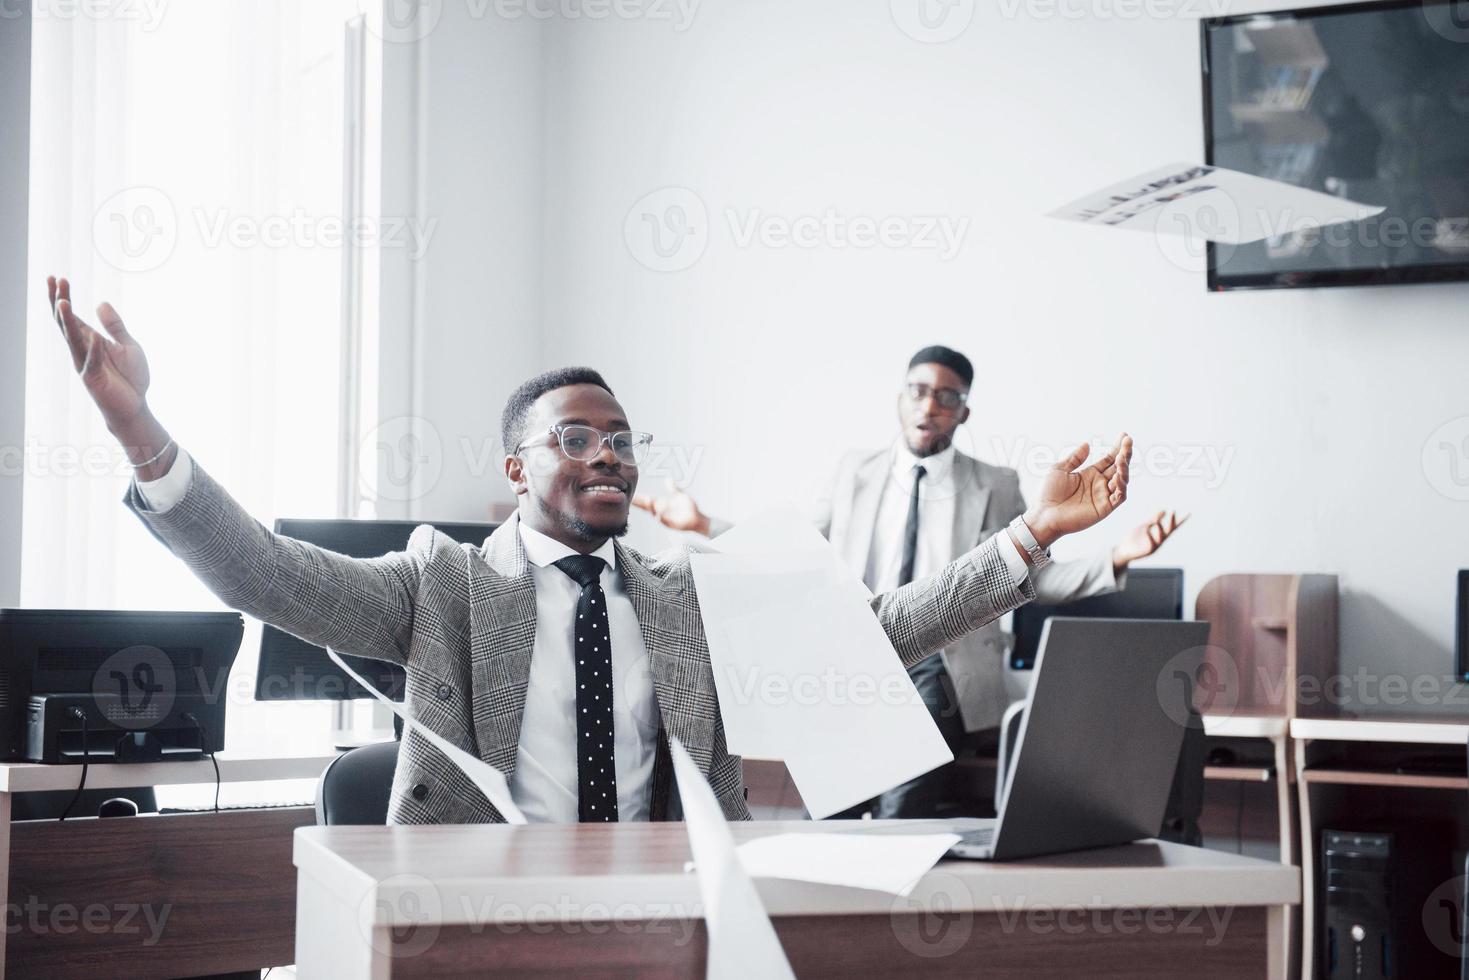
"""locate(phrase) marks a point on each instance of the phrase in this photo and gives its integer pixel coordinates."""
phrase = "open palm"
(114, 372)
(1072, 497)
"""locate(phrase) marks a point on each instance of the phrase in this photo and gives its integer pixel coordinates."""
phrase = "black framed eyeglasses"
(950, 398)
(584, 442)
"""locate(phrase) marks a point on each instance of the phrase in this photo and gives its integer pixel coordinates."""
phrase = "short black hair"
(518, 405)
(949, 358)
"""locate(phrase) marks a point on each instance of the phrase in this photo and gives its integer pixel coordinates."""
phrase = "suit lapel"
(867, 486)
(971, 500)
(502, 613)
(658, 602)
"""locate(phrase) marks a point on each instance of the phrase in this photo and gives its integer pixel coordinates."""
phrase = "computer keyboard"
(978, 838)
(209, 807)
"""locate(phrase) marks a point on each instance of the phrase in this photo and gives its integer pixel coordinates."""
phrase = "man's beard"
(583, 531)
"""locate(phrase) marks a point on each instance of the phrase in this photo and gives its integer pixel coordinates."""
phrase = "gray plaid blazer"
(461, 619)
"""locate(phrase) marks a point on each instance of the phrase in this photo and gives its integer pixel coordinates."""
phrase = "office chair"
(1185, 798)
(356, 785)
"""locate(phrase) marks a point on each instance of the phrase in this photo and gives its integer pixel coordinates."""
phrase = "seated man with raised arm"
(551, 651)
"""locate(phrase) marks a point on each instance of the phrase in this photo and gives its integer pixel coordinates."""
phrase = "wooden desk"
(1347, 779)
(155, 895)
(552, 900)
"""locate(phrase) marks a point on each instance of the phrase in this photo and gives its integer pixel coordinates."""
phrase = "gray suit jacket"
(461, 619)
(988, 499)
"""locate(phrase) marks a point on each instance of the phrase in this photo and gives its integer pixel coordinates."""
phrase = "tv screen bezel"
(1305, 279)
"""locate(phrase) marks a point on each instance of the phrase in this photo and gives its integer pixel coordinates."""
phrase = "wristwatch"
(1038, 557)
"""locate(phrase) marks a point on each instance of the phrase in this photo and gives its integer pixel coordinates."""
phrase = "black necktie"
(596, 769)
(910, 534)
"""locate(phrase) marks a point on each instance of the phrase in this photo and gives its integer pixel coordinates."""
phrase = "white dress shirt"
(936, 506)
(544, 784)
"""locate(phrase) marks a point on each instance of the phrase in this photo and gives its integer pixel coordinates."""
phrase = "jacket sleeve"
(1064, 581)
(357, 606)
(925, 616)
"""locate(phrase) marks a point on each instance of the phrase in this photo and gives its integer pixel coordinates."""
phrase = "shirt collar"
(542, 550)
(936, 467)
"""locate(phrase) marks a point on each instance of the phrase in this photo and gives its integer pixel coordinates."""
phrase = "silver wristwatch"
(1039, 557)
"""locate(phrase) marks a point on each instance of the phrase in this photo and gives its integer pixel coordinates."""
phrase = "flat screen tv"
(1366, 101)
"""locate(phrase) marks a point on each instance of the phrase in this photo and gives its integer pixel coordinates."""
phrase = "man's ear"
(964, 417)
(515, 473)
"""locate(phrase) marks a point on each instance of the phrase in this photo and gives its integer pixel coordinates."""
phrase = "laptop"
(1097, 749)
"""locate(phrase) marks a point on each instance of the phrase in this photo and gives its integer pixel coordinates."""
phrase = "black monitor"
(292, 669)
(1150, 593)
(161, 678)
(1461, 626)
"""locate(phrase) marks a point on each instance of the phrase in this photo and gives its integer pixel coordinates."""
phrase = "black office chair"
(356, 786)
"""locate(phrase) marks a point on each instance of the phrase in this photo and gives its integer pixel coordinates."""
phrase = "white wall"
(462, 124)
(15, 115)
(774, 360)
(1293, 424)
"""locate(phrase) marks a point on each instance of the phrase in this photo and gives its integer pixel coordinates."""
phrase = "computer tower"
(1358, 936)
(1381, 914)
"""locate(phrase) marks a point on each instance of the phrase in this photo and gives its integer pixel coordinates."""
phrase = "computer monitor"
(1461, 626)
(1150, 593)
(157, 675)
(292, 669)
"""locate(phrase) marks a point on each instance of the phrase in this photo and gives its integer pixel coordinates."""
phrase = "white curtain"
(187, 166)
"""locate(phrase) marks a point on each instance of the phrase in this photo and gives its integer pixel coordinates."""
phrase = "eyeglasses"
(584, 442)
(949, 398)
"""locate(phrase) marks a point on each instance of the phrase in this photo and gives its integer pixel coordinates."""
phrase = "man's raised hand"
(1073, 497)
(114, 372)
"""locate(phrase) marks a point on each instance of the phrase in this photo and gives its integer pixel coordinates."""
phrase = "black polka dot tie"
(596, 770)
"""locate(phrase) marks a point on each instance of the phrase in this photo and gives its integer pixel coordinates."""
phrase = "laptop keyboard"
(978, 838)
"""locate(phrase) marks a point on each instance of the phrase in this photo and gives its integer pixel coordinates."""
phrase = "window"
(187, 165)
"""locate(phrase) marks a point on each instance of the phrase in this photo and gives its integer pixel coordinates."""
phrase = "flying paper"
(1211, 203)
(490, 780)
(742, 941)
(804, 671)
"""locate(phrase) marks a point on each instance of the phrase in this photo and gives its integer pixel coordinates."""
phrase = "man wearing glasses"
(551, 651)
(903, 513)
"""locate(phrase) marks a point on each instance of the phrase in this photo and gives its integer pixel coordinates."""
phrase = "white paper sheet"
(1211, 203)
(783, 531)
(804, 672)
(490, 780)
(880, 862)
(742, 941)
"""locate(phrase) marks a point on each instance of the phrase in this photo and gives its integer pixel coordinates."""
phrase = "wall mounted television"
(1367, 101)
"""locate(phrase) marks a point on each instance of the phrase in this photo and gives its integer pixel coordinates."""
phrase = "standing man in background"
(902, 513)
